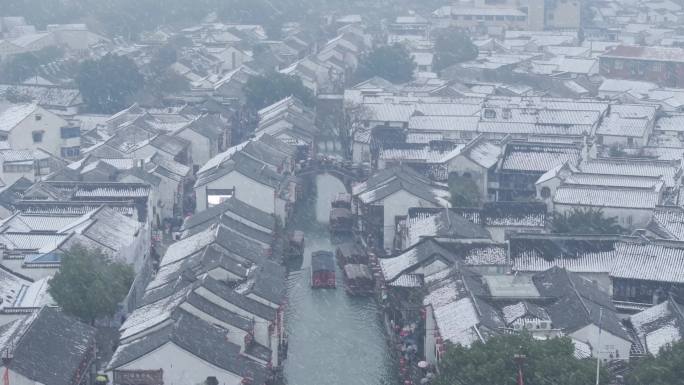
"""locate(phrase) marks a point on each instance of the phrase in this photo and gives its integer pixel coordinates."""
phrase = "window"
(69, 132)
(489, 113)
(9, 167)
(468, 17)
(545, 192)
(630, 141)
(489, 17)
(218, 196)
(37, 136)
(70, 152)
(479, 17)
(500, 18)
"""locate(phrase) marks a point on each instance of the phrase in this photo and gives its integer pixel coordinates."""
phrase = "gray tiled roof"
(228, 294)
(236, 207)
(197, 337)
(579, 302)
(48, 346)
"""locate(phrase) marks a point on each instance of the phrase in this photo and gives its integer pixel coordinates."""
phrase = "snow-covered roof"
(630, 259)
(659, 325)
(632, 120)
(602, 196)
(11, 116)
(538, 158)
(632, 167)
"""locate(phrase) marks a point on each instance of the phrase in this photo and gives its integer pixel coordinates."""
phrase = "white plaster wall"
(201, 148)
(395, 205)
(247, 190)
(461, 165)
(360, 152)
(17, 379)
(180, 367)
(430, 340)
(609, 343)
(21, 136)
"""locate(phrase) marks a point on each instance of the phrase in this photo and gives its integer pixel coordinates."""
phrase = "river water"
(334, 339)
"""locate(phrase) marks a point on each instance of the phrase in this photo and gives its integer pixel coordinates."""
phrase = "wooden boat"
(295, 245)
(342, 201)
(341, 221)
(358, 279)
(350, 252)
(322, 270)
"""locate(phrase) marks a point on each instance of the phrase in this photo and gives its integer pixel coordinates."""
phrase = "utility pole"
(598, 348)
(7, 356)
(519, 360)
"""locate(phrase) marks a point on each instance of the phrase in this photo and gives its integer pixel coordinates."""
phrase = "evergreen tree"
(89, 285)
(108, 84)
(667, 368)
(452, 46)
(585, 221)
(264, 90)
(393, 63)
(546, 362)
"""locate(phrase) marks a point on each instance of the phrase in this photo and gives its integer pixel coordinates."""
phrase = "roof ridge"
(576, 292)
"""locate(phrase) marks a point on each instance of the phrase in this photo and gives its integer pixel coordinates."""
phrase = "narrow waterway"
(333, 339)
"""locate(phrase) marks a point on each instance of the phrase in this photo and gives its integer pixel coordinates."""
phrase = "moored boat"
(295, 245)
(350, 252)
(358, 279)
(341, 221)
(322, 270)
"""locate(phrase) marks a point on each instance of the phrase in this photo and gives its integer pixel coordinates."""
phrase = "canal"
(333, 339)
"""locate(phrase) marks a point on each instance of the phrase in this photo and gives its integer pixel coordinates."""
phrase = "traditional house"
(463, 307)
(30, 164)
(207, 136)
(234, 209)
(444, 226)
(662, 65)
(632, 270)
(21, 295)
(478, 161)
(383, 200)
(627, 125)
(30, 127)
(247, 179)
(60, 100)
(584, 312)
(34, 243)
(189, 350)
(291, 122)
(522, 164)
(658, 326)
(48, 347)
